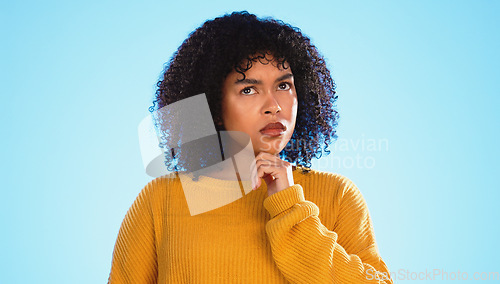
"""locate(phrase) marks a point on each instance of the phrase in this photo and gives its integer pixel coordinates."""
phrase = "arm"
(134, 255)
(307, 252)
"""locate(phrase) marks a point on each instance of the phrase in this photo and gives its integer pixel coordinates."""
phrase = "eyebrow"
(258, 82)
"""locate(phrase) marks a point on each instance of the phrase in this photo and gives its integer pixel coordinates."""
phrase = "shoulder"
(328, 186)
(336, 195)
(161, 196)
(159, 187)
(328, 179)
(162, 181)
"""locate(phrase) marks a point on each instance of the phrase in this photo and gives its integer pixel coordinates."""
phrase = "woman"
(265, 79)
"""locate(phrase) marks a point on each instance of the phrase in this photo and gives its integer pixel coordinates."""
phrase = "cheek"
(234, 119)
(293, 115)
(294, 106)
(230, 115)
(228, 112)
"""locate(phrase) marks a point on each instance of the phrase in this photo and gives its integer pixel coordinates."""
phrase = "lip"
(273, 129)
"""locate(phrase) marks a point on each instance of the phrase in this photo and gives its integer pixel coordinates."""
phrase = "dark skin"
(267, 95)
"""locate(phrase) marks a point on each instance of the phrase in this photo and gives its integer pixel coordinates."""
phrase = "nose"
(271, 105)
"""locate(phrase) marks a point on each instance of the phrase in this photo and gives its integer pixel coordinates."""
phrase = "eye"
(248, 91)
(284, 86)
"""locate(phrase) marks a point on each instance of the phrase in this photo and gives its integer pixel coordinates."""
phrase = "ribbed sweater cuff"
(283, 200)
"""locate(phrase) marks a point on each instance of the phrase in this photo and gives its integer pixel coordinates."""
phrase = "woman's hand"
(276, 173)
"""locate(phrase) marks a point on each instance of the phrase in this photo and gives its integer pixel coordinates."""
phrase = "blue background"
(78, 77)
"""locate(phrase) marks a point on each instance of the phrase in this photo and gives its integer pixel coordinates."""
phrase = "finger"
(272, 158)
(267, 171)
(255, 179)
(268, 178)
(269, 167)
(279, 165)
(266, 156)
(253, 174)
(258, 183)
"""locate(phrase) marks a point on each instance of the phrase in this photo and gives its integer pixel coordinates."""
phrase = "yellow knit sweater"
(316, 231)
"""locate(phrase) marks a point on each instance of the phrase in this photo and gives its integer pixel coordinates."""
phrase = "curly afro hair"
(231, 42)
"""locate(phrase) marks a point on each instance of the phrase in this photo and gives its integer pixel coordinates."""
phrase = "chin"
(270, 151)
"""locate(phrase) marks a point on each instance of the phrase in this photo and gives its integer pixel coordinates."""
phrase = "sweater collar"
(208, 182)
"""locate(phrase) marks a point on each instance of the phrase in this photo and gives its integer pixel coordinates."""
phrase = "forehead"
(259, 66)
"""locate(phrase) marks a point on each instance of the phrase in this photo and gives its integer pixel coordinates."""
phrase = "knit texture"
(316, 231)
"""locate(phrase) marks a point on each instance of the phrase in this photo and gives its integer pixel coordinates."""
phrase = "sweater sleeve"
(306, 251)
(134, 256)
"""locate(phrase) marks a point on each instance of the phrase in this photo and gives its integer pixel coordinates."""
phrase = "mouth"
(273, 129)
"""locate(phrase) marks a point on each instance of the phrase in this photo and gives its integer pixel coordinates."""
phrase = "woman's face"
(264, 105)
